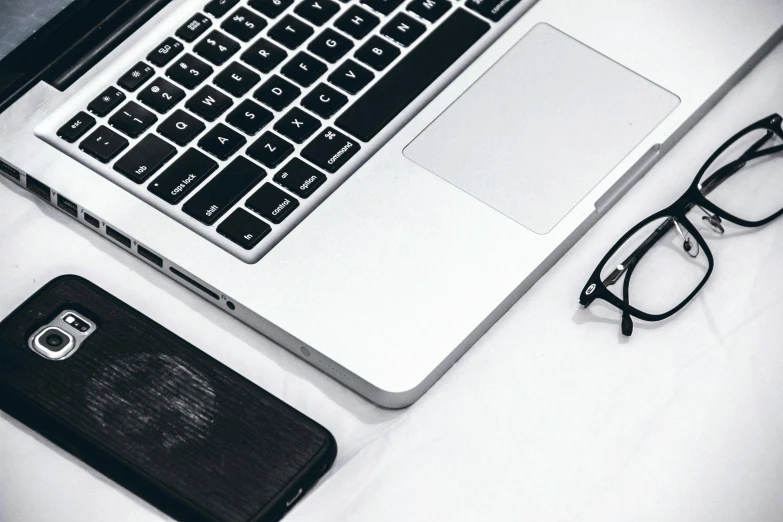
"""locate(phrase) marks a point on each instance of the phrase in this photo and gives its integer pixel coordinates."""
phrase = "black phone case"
(157, 415)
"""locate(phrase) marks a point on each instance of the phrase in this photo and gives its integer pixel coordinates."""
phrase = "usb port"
(9, 171)
(119, 238)
(149, 256)
(91, 220)
(68, 206)
(38, 188)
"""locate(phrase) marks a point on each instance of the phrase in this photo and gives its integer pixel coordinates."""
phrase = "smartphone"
(152, 412)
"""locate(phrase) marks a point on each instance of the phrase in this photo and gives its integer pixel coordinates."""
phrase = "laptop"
(369, 183)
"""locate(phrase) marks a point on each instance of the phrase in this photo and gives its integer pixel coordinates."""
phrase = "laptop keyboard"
(252, 105)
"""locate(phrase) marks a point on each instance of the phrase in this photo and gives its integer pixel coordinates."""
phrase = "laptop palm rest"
(541, 128)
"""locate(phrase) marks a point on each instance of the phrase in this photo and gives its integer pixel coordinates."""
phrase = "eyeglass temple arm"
(710, 184)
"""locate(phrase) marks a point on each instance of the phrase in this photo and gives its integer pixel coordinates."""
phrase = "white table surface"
(551, 416)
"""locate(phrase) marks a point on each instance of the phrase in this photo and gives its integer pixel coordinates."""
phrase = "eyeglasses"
(667, 257)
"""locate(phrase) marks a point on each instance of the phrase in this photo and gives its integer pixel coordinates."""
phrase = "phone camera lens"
(54, 340)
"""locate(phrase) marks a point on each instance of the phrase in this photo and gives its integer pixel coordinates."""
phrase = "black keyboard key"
(224, 190)
(270, 150)
(357, 22)
(237, 79)
(264, 55)
(403, 29)
(291, 32)
(209, 103)
(132, 119)
(136, 77)
(218, 8)
(317, 12)
(304, 69)
(216, 48)
(300, 178)
(185, 174)
(161, 95)
(377, 53)
(330, 150)
(145, 158)
(351, 77)
(492, 9)
(195, 27)
(244, 24)
(324, 101)
(277, 93)
(270, 8)
(249, 117)
(382, 6)
(403, 83)
(430, 10)
(165, 52)
(330, 45)
(189, 71)
(106, 102)
(181, 127)
(297, 125)
(103, 144)
(222, 142)
(272, 203)
(76, 127)
(243, 229)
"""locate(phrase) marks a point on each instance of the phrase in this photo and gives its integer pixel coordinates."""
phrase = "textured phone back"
(156, 408)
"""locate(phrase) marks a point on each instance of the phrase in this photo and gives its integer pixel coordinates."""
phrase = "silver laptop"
(369, 183)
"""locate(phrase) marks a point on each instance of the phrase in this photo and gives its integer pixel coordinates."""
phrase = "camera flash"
(70, 319)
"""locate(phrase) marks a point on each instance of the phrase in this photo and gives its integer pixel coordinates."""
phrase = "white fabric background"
(552, 416)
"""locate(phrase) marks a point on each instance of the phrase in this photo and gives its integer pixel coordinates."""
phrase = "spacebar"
(400, 86)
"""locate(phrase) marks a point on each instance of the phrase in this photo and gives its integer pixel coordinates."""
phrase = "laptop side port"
(149, 256)
(194, 283)
(91, 220)
(9, 171)
(39, 189)
(67, 206)
(119, 238)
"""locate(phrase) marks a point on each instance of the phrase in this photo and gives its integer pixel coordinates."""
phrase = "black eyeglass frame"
(693, 196)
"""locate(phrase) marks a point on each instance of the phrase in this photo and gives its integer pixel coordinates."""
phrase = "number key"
(189, 71)
(218, 8)
(271, 8)
(132, 120)
(216, 48)
(161, 95)
(244, 24)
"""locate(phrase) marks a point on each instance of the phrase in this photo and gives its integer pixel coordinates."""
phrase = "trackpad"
(541, 128)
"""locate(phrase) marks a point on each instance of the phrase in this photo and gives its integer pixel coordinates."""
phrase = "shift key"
(185, 174)
(223, 190)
